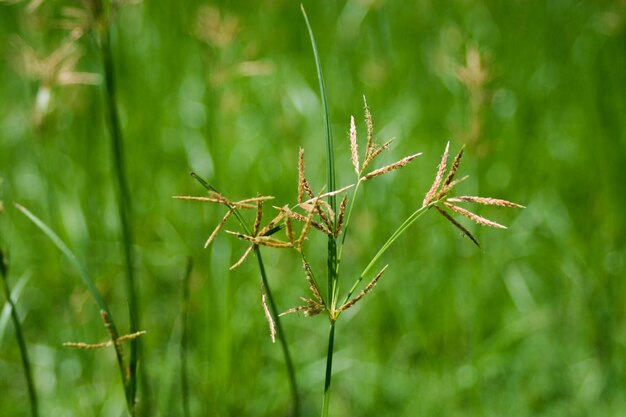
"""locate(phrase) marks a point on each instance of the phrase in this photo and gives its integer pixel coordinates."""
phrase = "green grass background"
(533, 325)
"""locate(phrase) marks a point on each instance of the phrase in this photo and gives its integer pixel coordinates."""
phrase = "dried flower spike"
(354, 147)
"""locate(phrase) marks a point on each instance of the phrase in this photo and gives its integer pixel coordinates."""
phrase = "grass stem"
(21, 341)
(125, 214)
(329, 369)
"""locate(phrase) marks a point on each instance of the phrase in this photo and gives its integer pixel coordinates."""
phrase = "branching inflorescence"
(290, 227)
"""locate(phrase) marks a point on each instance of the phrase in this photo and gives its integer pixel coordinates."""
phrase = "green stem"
(32, 394)
(124, 207)
(281, 335)
(329, 369)
(394, 236)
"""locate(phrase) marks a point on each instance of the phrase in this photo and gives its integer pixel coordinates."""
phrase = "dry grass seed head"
(484, 200)
(268, 316)
(259, 216)
(312, 285)
(354, 147)
(303, 184)
(370, 131)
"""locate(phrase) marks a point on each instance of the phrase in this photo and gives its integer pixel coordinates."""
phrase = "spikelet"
(457, 225)
(220, 199)
(219, 227)
(194, 198)
(271, 224)
(370, 132)
(289, 230)
(242, 258)
(268, 316)
(376, 150)
(362, 294)
(80, 345)
(311, 308)
(328, 194)
(445, 190)
(354, 147)
(307, 220)
(380, 171)
(484, 200)
(303, 184)
(261, 240)
(311, 280)
(438, 178)
(472, 216)
(342, 212)
(453, 168)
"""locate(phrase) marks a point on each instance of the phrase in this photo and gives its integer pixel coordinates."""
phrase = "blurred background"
(531, 325)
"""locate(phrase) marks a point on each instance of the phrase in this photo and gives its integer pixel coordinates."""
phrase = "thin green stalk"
(329, 367)
(274, 310)
(124, 211)
(281, 335)
(184, 342)
(394, 236)
(330, 167)
(332, 261)
(21, 341)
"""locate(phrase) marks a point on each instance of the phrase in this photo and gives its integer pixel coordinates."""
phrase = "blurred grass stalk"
(19, 334)
(124, 207)
(184, 341)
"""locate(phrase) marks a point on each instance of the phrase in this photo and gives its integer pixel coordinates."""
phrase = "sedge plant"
(318, 212)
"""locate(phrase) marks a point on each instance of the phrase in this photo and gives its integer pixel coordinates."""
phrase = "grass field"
(532, 324)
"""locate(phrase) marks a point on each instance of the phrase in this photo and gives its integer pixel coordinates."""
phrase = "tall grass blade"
(332, 244)
(21, 341)
(124, 209)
